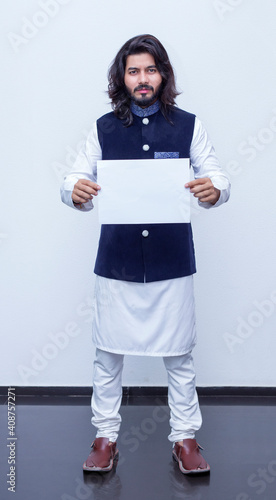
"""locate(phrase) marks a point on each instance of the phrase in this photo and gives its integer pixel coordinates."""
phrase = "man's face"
(142, 79)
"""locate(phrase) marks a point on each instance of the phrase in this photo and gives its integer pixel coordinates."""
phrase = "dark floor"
(53, 440)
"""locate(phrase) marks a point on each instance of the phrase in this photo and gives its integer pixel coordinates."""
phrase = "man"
(144, 283)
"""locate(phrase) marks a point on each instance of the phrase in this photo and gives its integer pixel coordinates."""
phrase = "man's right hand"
(84, 191)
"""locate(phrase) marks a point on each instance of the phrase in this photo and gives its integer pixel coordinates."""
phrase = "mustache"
(143, 87)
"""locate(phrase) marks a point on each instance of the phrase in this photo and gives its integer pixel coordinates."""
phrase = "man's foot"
(189, 458)
(102, 457)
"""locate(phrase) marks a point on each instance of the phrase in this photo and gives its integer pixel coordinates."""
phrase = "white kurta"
(153, 319)
(156, 318)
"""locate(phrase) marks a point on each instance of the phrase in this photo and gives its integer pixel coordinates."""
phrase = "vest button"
(145, 121)
(146, 147)
(145, 233)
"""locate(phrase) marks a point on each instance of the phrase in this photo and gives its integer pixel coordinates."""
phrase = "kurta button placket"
(145, 233)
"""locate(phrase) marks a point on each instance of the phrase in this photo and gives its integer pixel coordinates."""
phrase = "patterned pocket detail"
(159, 155)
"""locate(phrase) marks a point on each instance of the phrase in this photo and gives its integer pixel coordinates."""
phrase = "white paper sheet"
(143, 191)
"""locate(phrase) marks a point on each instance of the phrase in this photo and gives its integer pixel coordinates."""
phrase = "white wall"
(53, 82)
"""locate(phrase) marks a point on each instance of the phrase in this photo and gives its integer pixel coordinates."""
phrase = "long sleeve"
(205, 164)
(85, 167)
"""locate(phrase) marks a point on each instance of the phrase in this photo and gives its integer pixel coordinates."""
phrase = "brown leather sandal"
(189, 458)
(102, 456)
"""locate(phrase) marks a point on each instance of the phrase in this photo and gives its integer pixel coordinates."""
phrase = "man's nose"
(143, 77)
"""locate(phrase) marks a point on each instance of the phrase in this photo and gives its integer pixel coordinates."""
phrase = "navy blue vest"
(146, 252)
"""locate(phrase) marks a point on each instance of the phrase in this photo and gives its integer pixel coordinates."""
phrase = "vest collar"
(138, 111)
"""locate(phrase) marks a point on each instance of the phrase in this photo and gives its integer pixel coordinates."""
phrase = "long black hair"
(117, 91)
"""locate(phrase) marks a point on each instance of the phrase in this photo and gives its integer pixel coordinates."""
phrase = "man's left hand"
(204, 190)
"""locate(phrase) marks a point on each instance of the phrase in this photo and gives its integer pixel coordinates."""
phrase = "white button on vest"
(146, 147)
(145, 121)
(145, 233)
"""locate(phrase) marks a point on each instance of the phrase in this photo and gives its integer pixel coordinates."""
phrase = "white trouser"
(182, 397)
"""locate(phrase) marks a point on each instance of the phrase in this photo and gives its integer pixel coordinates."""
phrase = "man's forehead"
(138, 60)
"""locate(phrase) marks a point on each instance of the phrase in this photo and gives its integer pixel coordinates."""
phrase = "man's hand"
(204, 190)
(84, 191)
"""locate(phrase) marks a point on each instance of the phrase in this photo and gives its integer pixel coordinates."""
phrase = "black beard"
(144, 102)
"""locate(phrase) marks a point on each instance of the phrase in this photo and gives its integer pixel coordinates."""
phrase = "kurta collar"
(138, 111)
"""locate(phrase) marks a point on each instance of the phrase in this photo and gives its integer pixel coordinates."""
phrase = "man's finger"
(82, 195)
(205, 192)
(88, 187)
(197, 182)
(88, 183)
